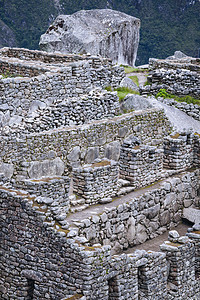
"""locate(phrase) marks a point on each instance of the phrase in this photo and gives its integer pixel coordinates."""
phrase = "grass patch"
(123, 91)
(8, 75)
(128, 69)
(188, 99)
(147, 83)
(134, 79)
(108, 88)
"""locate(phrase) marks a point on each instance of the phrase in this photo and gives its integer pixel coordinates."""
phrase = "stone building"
(66, 215)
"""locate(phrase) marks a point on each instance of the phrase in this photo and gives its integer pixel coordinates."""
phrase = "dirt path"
(142, 76)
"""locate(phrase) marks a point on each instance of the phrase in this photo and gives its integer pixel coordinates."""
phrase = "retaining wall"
(82, 144)
(96, 105)
(52, 78)
(51, 58)
(177, 77)
(143, 217)
(46, 262)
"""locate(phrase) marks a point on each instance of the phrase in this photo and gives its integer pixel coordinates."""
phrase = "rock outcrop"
(7, 36)
(105, 32)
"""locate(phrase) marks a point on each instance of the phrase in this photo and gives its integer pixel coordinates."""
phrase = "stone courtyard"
(81, 183)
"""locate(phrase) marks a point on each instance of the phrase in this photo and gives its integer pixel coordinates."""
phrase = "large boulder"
(102, 32)
(135, 102)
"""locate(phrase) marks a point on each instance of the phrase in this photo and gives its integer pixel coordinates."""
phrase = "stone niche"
(97, 182)
(178, 151)
(140, 164)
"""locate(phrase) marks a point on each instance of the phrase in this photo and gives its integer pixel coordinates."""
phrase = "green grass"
(134, 79)
(123, 91)
(108, 88)
(8, 75)
(147, 83)
(188, 99)
(128, 69)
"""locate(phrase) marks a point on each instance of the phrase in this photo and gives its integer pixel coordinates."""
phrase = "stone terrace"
(48, 252)
(178, 76)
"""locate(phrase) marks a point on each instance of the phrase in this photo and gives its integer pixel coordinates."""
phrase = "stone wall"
(143, 217)
(177, 77)
(82, 144)
(51, 58)
(46, 87)
(53, 191)
(16, 69)
(178, 151)
(196, 151)
(52, 79)
(34, 256)
(194, 235)
(45, 264)
(140, 164)
(180, 254)
(97, 182)
(19, 93)
(96, 105)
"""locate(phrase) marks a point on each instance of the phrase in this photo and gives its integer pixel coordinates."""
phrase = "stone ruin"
(97, 182)
(81, 183)
(179, 75)
(140, 164)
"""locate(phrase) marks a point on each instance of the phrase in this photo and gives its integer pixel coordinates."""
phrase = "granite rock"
(97, 31)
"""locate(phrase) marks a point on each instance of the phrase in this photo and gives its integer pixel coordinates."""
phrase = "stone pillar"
(178, 151)
(197, 150)
(180, 254)
(125, 284)
(140, 164)
(153, 277)
(97, 182)
(194, 235)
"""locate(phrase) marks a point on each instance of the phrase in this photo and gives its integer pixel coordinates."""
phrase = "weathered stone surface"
(177, 55)
(135, 102)
(152, 211)
(173, 236)
(7, 169)
(98, 31)
(92, 154)
(131, 230)
(164, 218)
(112, 151)
(127, 82)
(32, 275)
(45, 168)
(141, 235)
(74, 155)
(35, 105)
(192, 214)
